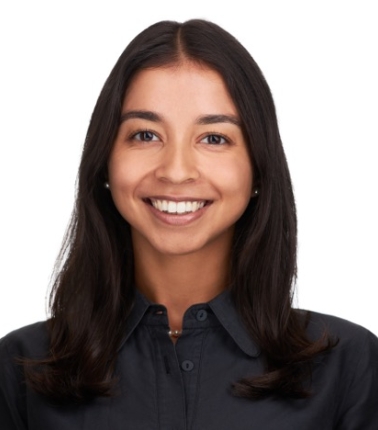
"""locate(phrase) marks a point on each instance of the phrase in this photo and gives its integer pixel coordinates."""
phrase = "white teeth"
(172, 207)
(177, 207)
(181, 207)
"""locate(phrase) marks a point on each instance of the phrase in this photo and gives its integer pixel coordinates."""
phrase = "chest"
(187, 386)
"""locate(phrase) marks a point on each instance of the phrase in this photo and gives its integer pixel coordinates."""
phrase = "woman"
(171, 306)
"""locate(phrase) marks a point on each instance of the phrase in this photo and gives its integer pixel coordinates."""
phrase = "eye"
(145, 136)
(215, 139)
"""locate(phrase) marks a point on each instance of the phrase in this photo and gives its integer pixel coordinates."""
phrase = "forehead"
(185, 87)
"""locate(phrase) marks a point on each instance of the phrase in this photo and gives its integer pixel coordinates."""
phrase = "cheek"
(124, 172)
(122, 181)
(235, 178)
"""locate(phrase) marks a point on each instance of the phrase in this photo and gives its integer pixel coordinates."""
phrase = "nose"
(178, 164)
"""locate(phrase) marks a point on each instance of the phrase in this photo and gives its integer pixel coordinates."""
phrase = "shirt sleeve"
(12, 396)
(359, 409)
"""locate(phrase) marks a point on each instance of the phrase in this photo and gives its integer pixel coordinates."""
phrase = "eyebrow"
(214, 119)
(202, 120)
(142, 114)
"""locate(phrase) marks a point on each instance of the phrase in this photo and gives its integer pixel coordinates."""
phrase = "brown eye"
(145, 136)
(215, 139)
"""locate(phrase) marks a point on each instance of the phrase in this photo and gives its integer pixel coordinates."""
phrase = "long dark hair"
(93, 288)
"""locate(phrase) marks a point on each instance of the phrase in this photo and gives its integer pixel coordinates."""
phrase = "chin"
(177, 250)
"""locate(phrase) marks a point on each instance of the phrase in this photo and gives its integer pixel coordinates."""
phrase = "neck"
(179, 281)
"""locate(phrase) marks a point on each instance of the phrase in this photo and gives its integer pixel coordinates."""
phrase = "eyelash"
(134, 135)
(215, 134)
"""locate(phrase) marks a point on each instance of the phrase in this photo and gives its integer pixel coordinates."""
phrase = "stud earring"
(106, 185)
(256, 192)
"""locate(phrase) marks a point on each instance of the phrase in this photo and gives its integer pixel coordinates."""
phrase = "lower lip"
(176, 219)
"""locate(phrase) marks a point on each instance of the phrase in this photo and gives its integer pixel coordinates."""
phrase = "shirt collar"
(224, 309)
(140, 306)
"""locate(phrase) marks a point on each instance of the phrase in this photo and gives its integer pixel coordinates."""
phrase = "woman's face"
(179, 171)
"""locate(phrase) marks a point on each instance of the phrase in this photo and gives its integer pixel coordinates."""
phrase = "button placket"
(188, 365)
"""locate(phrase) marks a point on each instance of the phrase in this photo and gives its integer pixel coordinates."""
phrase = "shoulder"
(345, 331)
(356, 348)
(347, 374)
(30, 341)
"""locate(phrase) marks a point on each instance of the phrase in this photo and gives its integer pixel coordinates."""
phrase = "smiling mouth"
(177, 208)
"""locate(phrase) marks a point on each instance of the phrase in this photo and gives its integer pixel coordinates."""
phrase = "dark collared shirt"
(187, 386)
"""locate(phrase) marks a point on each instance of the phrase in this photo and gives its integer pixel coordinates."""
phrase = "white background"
(320, 59)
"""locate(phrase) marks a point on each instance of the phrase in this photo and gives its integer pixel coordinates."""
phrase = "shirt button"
(201, 315)
(187, 365)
